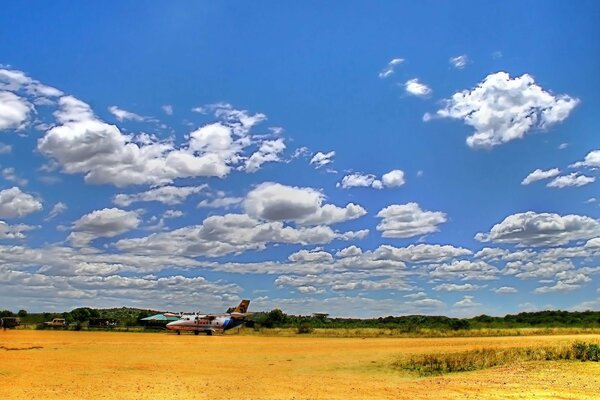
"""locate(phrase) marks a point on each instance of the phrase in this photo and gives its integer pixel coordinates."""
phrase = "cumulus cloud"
(275, 202)
(14, 111)
(394, 178)
(321, 159)
(165, 194)
(453, 287)
(108, 222)
(540, 229)
(350, 251)
(420, 253)
(269, 151)
(360, 180)
(573, 179)
(407, 220)
(459, 62)
(14, 231)
(465, 270)
(501, 109)
(505, 290)
(16, 204)
(230, 233)
(416, 88)
(390, 68)
(466, 302)
(539, 174)
(123, 115)
(82, 143)
(592, 160)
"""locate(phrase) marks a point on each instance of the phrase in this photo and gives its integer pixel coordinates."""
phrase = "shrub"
(304, 328)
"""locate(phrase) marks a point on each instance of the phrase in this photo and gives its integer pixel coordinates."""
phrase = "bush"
(304, 328)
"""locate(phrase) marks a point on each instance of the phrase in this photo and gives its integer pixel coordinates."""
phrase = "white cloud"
(220, 202)
(539, 174)
(275, 202)
(573, 179)
(360, 180)
(5, 148)
(9, 175)
(407, 220)
(14, 231)
(541, 229)
(311, 256)
(15, 204)
(82, 143)
(165, 194)
(14, 111)
(123, 115)
(227, 234)
(416, 88)
(168, 109)
(459, 62)
(350, 251)
(394, 178)
(466, 302)
(321, 159)
(57, 209)
(592, 160)
(465, 270)
(108, 222)
(563, 146)
(505, 290)
(269, 151)
(502, 109)
(420, 253)
(390, 68)
(453, 287)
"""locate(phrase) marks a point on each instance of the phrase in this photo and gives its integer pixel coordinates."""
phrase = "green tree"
(22, 313)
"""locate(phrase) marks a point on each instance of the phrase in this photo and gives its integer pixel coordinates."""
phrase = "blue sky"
(356, 158)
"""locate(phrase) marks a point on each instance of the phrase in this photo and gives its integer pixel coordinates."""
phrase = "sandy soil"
(104, 365)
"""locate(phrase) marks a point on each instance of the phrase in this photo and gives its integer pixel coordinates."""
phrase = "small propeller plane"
(211, 323)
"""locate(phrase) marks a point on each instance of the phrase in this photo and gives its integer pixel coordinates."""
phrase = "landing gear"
(179, 332)
(196, 333)
(209, 333)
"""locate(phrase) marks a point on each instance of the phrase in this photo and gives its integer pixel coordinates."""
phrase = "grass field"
(111, 365)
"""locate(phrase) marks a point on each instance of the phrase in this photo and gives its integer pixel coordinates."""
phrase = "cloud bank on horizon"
(428, 188)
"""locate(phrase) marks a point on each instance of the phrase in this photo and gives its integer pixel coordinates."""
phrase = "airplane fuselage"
(205, 323)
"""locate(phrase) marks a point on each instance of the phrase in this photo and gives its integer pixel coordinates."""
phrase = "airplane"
(211, 323)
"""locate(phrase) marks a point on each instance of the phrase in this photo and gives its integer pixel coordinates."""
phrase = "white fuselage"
(204, 323)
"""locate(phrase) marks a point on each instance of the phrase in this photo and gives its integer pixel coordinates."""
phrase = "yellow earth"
(109, 365)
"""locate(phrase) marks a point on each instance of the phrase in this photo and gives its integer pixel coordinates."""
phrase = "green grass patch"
(441, 363)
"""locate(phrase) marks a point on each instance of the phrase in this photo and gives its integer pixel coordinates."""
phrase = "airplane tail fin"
(242, 308)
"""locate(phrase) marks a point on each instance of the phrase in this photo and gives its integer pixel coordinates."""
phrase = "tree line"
(276, 318)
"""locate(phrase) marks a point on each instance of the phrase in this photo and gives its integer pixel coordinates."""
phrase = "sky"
(356, 158)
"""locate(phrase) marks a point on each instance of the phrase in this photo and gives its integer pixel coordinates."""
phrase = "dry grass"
(470, 360)
(110, 365)
(417, 333)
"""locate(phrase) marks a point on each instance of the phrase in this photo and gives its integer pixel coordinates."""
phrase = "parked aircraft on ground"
(210, 323)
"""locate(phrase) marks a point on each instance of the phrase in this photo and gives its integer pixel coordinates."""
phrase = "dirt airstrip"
(106, 365)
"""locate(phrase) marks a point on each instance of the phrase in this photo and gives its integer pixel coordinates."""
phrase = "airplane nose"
(172, 325)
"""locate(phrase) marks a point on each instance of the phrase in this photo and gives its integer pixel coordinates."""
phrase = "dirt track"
(98, 365)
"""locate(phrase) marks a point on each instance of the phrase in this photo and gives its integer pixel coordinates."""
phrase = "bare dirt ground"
(105, 365)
